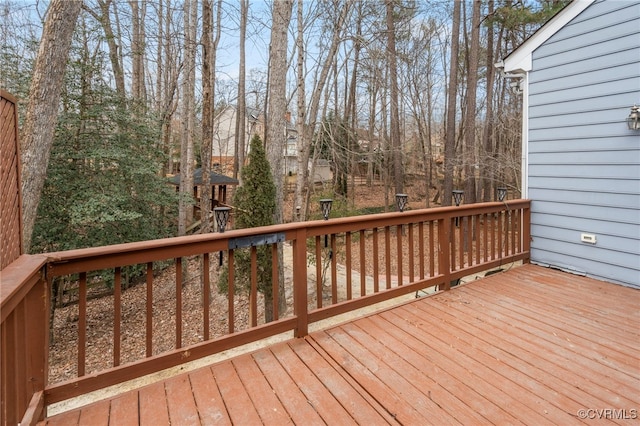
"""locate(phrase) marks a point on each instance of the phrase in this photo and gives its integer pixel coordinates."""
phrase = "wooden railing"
(23, 347)
(328, 268)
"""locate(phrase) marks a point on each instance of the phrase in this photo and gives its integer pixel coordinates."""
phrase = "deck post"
(300, 283)
(24, 333)
(444, 251)
(525, 223)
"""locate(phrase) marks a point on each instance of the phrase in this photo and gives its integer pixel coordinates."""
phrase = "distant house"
(223, 148)
(580, 77)
(291, 148)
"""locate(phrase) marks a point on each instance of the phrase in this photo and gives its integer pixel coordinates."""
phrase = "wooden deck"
(528, 346)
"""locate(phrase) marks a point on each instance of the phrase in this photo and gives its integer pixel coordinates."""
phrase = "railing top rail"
(94, 258)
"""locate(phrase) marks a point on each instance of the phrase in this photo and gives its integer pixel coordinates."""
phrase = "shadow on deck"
(530, 345)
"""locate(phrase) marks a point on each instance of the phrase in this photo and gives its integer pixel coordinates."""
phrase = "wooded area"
(114, 95)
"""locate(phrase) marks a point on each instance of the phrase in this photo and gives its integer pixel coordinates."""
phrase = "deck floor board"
(530, 345)
(582, 364)
(581, 371)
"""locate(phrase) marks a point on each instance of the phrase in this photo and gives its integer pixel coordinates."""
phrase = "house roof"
(214, 179)
(520, 59)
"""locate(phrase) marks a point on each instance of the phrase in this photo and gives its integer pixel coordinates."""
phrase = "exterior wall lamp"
(401, 201)
(633, 120)
(501, 193)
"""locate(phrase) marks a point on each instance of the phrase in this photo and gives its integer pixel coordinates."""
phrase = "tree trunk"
(114, 57)
(138, 16)
(396, 143)
(185, 214)
(450, 132)
(277, 108)
(303, 144)
(241, 113)
(311, 116)
(470, 123)
(42, 110)
(488, 163)
(207, 113)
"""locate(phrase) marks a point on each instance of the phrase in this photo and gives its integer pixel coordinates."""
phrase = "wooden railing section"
(329, 268)
(23, 349)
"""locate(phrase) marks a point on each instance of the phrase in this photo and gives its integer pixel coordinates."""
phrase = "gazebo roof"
(214, 179)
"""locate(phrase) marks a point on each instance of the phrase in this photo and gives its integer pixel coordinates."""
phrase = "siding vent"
(588, 238)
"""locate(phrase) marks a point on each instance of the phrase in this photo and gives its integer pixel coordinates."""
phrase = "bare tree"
(138, 17)
(241, 113)
(421, 81)
(470, 122)
(207, 112)
(276, 111)
(396, 143)
(450, 132)
(185, 214)
(487, 165)
(42, 111)
(209, 53)
(104, 17)
(311, 114)
(303, 145)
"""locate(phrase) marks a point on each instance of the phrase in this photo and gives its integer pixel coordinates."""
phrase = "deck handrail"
(397, 253)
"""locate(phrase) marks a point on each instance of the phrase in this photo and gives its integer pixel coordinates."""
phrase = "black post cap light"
(325, 205)
(501, 192)
(222, 217)
(457, 196)
(401, 201)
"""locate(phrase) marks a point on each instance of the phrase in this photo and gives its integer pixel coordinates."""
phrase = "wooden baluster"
(206, 289)
(399, 231)
(432, 249)
(275, 279)
(347, 243)
(318, 273)
(149, 321)
(376, 262)
(513, 226)
(452, 250)
(476, 229)
(231, 291)
(363, 264)
(463, 241)
(178, 303)
(253, 294)
(334, 273)
(500, 232)
(485, 237)
(82, 323)
(387, 255)
(117, 315)
(411, 254)
(421, 250)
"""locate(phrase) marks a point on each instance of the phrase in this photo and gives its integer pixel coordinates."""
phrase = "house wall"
(224, 135)
(583, 162)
